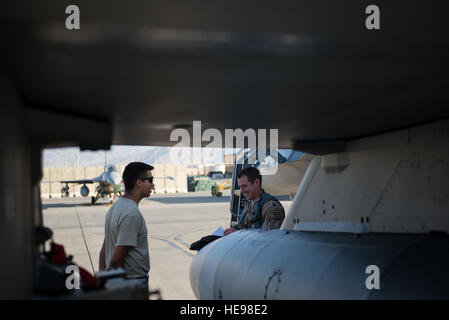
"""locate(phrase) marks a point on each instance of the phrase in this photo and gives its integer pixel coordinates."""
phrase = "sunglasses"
(150, 179)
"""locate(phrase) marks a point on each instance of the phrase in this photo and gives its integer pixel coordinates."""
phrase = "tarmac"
(174, 221)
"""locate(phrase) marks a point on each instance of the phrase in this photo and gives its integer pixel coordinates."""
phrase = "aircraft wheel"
(92, 200)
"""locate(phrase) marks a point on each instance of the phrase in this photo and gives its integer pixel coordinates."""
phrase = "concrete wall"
(229, 163)
(203, 170)
(17, 197)
(50, 184)
(165, 185)
(195, 171)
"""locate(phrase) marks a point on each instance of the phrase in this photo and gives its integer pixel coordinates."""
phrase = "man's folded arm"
(119, 256)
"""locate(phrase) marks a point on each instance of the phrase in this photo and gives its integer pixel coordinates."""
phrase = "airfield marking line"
(178, 239)
(186, 231)
(173, 244)
(84, 238)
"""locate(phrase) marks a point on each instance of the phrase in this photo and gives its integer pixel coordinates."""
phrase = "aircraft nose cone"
(115, 177)
(194, 275)
(202, 274)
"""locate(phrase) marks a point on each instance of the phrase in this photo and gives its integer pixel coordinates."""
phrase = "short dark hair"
(252, 174)
(132, 172)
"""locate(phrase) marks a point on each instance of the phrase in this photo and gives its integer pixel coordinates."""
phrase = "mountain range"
(119, 155)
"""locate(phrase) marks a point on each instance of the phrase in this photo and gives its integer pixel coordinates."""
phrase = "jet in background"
(109, 184)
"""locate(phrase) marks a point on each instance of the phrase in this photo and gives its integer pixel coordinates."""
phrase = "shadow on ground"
(199, 199)
(71, 205)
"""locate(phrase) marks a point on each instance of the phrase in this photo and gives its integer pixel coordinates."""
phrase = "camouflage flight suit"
(271, 214)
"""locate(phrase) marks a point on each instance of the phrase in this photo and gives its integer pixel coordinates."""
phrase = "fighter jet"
(109, 184)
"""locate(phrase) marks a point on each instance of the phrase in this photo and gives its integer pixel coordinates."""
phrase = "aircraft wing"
(79, 181)
(314, 71)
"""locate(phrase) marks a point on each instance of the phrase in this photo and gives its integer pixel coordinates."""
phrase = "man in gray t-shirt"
(126, 243)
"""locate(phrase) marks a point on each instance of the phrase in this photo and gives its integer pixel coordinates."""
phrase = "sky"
(68, 157)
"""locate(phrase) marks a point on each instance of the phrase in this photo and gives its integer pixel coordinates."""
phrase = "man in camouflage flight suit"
(262, 210)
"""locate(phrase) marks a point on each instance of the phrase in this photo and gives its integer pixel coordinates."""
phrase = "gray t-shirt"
(125, 226)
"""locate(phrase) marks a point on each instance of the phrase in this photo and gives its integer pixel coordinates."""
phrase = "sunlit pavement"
(174, 221)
